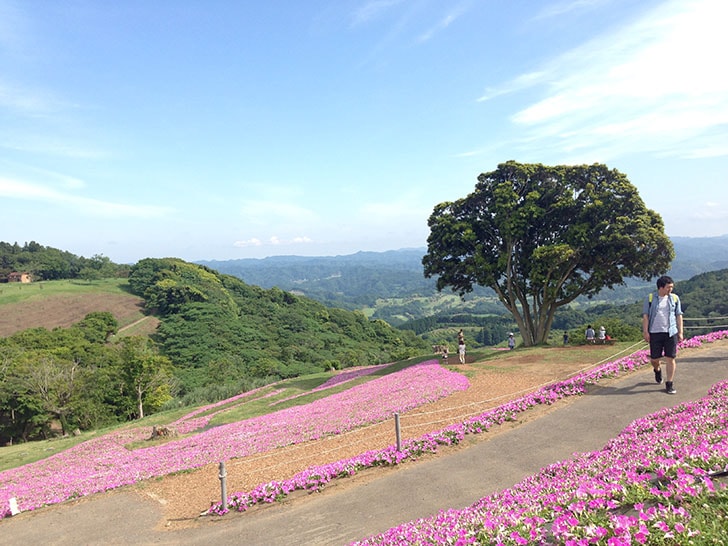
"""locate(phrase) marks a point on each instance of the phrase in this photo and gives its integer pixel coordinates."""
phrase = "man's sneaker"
(658, 375)
(669, 389)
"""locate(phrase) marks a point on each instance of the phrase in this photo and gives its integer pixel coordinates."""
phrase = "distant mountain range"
(695, 255)
(358, 279)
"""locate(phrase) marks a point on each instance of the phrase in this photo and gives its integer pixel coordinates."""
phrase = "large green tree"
(541, 236)
(148, 375)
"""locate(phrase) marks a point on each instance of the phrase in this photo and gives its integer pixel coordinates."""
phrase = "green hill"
(78, 360)
(216, 328)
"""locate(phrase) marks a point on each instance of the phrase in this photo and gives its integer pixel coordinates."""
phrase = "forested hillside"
(218, 329)
(217, 337)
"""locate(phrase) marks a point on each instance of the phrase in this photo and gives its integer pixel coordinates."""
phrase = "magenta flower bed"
(631, 492)
(315, 478)
(104, 463)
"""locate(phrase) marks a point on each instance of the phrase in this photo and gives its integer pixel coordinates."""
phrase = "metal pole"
(397, 432)
(223, 485)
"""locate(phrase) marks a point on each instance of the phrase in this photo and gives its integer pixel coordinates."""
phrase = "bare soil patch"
(64, 310)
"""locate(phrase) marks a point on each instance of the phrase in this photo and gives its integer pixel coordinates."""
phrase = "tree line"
(48, 264)
(61, 380)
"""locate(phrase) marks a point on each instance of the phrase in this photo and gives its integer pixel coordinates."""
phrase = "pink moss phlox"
(693, 439)
(506, 412)
(105, 463)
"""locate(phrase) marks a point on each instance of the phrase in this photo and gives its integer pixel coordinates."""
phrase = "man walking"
(662, 328)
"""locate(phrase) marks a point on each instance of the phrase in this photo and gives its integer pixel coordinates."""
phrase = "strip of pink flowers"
(104, 463)
(639, 489)
(315, 478)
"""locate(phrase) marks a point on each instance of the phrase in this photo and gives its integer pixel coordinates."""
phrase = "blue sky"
(221, 130)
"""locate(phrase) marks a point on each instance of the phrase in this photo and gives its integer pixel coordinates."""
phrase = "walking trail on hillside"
(167, 510)
(492, 383)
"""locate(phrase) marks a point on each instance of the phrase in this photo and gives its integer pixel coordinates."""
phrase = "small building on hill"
(19, 277)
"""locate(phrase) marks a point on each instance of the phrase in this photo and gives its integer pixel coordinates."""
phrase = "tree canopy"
(541, 236)
(46, 263)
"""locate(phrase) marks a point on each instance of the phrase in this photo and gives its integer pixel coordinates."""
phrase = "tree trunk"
(140, 405)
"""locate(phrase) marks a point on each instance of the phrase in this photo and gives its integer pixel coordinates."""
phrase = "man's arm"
(679, 320)
(646, 326)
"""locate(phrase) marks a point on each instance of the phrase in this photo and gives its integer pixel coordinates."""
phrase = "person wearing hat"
(511, 341)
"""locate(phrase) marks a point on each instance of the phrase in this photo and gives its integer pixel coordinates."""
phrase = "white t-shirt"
(661, 321)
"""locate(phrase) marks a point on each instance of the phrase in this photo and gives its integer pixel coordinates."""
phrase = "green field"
(17, 292)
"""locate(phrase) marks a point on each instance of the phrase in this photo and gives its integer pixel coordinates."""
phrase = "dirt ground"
(63, 311)
(185, 496)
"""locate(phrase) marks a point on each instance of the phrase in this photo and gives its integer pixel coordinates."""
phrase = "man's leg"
(656, 368)
(670, 374)
(669, 369)
(670, 365)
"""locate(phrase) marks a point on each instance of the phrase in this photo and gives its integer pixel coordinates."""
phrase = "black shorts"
(662, 344)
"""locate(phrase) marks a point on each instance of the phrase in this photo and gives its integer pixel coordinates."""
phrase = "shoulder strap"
(674, 297)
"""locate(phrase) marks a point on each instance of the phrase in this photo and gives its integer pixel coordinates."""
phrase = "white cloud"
(274, 240)
(444, 22)
(93, 207)
(558, 9)
(654, 86)
(247, 243)
(27, 101)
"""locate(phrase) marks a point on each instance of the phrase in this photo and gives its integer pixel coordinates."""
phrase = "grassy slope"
(51, 304)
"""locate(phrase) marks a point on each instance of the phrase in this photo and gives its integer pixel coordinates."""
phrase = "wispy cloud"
(372, 10)
(654, 86)
(245, 243)
(569, 6)
(15, 189)
(44, 124)
(448, 19)
(14, 29)
(27, 101)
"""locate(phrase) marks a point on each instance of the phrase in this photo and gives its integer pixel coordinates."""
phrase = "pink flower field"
(105, 463)
(637, 490)
(628, 493)
(575, 501)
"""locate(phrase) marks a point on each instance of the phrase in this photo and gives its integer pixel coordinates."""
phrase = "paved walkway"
(340, 515)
